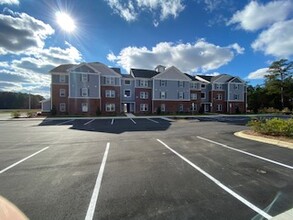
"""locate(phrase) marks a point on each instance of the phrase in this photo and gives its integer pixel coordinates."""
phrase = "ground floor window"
(144, 107)
(62, 107)
(219, 108)
(84, 107)
(193, 107)
(181, 107)
(163, 107)
(110, 107)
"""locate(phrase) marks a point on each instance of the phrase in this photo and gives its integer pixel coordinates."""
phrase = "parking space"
(144, 168)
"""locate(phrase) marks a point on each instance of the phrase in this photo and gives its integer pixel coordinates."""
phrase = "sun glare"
(65, 21)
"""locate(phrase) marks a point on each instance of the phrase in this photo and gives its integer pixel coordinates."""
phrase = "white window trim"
(129, 93)
(83, 93)
(84, 77)
(180, 95)
(203, 86)
(163, 107)
(62, 92)
(219, 97)
(62, 78)
(144, 95)
(127, 81)
(110, 107)
(219, 108)
(84, 107)
(204, 95)
(181, 84)
(193, 96)
(181, 108)
(144, 107)
(62, 107)
(109, 80)
(110, 93)
(193, 85)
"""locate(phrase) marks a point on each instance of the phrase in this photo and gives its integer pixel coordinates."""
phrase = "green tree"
(279, 71)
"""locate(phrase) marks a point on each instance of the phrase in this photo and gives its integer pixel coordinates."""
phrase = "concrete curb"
(264, 140)
(284, 216)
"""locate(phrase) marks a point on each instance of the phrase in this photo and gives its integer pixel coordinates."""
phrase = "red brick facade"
(107, 100)
(233, 106)
(139, 101)
(172, 107)
(56, 100)
(75, 106)
(218, 99)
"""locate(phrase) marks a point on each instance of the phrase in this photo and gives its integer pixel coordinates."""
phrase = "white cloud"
(258, 74)
(256, 16)
(9, 2)
(20, 32)
(277, 40)
(188, 57)
(129, 10)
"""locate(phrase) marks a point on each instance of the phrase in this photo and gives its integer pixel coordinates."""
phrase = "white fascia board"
(201, 79)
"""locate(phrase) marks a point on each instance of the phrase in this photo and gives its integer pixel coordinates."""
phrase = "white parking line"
(152, 120)
(91, 209)
(231, 192)
(132, 120)
(24, 159)
(112, 122)
(65, 122)
(89, 122)
(247, 153)
(167, 119)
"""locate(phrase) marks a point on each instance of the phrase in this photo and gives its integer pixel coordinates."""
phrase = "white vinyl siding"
(163, 83)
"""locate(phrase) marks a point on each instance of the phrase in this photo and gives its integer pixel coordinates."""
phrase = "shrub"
(159, 110)
(275, 126)
(30, 114)
(53, 110)
(15, 114)
(98, 111)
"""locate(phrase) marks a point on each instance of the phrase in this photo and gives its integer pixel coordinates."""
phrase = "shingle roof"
(142, 73)
(126, 76)
(62, 68)
(116, 69)
(191, 77)
(207, 78)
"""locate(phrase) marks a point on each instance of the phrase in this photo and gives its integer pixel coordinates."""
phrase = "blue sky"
(210, 37)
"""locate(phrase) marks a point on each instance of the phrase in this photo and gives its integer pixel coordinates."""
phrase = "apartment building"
(94, 88)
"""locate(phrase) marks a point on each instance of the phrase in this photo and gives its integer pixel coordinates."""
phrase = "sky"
(210, 37)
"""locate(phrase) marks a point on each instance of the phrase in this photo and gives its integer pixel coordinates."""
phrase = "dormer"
(160, 68)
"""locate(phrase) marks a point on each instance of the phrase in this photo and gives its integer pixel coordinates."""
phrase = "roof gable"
(172, 73)
(236, 80)
(62, 68)
(83, 68)
(103, 69)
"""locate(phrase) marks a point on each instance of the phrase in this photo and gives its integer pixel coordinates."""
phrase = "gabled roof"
(207, 78)
(143, 73)
(235, 80)
(191, 77)
(62, 68)
(172, 73)
(127, 76)
(116, 69)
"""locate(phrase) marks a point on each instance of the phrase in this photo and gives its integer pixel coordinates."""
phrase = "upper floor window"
(203, 86)
(219, 108)
(144, 95)
(62, 78)
(218, 86)
(62, 93)
(180, 84)
(219, 97)
(236, 86)
(127, 82)
(127, 93)
(203, 95)
(163, 107)
(193, 96)
(163, 83)
(110, 93)
(84, 92)
(163, 95)
(193, 107)
(236, 96)
(110, 81)
(84, 77)
(194, 85)
(143, 83)
(181, 95)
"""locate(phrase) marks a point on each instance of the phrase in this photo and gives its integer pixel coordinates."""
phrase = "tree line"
(17, 100)
(277, 91)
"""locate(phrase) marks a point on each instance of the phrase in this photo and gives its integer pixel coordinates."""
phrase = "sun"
(65, 21)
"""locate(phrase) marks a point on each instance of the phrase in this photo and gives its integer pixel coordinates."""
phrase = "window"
(143, 83)
(127, 93)
(62, 78)
(163, 107)
(181, 95)
(194, 85)
(84, 77)
(163, 82)
(62, 107)
(193, 107)
(180, 84)
(127, 82)
(181, 107)
(219, 108)
(219, 97)
(110, 81)
(218, 86)
(144, 95)
(110, 107)
(203, 86)
(203, 95)
(163, 95)
(144, 107)
(62, 93)
(193, 96)
(236, 97)
(84, 107)
(84, 92)
(236, 86)
(110, 93)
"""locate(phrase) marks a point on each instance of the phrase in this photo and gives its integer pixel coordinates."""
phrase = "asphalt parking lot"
(142, 168)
